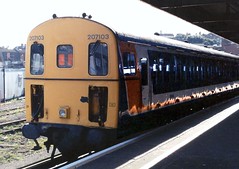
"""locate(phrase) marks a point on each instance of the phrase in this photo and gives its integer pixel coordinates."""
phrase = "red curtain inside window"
(61, 59)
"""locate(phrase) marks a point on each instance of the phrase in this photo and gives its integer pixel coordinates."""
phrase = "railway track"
(12, 111)
(12, 116)
(47, 163)
(58, 162)
(11, 105)
(11, 126)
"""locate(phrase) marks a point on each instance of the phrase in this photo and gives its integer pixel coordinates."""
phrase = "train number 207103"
(98, 36)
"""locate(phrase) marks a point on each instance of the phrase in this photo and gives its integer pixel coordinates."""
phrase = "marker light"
(64, 112)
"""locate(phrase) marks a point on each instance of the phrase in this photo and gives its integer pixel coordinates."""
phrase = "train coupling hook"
(37, 146)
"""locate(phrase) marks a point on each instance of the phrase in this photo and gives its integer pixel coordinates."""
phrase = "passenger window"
(98, 59)
(37, 59)
(64, 56)
(129, 63)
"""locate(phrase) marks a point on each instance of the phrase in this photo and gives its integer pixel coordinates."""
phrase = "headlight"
(64, 112)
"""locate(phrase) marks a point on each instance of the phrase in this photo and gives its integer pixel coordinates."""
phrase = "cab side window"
(98, 59)
(37, 59)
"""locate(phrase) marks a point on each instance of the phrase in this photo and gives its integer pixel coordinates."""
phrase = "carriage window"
(37, 59)
(129, 63)
(64, 56)
(98, 59)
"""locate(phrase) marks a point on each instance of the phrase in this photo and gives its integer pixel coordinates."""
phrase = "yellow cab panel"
(64, 68)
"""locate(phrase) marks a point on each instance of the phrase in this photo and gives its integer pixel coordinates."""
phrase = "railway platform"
(206, 139)
(217, 148)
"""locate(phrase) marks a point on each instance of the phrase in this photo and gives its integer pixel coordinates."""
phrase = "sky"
(19, 17)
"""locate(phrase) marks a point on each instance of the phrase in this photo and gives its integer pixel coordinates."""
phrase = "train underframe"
(132, 124)
(72, 140)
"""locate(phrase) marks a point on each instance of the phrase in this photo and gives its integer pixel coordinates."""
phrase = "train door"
(132, 75)
(144, 69)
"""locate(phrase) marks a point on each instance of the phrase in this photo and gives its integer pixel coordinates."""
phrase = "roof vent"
(84, 16)
(54, 16)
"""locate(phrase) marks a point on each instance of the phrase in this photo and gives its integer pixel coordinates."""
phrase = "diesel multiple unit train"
(88, 85)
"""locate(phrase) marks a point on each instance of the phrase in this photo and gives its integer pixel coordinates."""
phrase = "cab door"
(132, 75)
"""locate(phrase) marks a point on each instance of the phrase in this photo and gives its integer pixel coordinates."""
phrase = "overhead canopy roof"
(218, 16)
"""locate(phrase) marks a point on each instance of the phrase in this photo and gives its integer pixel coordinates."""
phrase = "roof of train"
(158, 41)
(145, 37)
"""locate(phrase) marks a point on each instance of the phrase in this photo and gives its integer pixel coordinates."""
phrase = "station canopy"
(218, 16)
